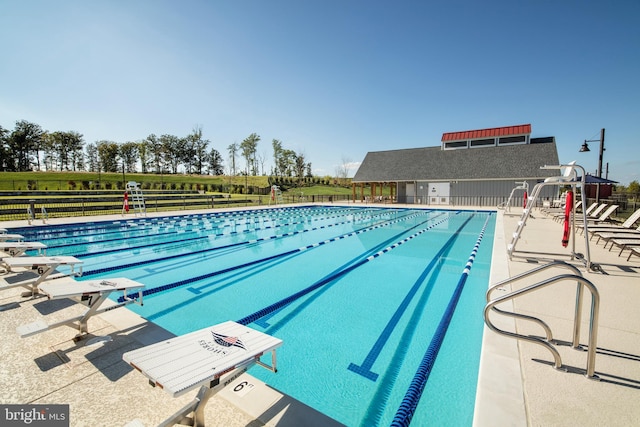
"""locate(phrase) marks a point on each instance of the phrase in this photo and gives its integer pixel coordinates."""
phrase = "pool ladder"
(548, 341)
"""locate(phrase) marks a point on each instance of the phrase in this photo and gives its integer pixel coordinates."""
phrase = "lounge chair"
(634, 250)
(612, 228)
(560, 212)
(560, 216)
(29, 272)
(92, 293)
(604, 217)
(623, 243)
(624, 233)
(209, 358)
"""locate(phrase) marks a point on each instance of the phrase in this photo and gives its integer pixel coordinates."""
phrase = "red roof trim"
(487, 133)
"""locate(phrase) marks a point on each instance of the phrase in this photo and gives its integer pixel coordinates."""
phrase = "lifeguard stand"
(136, 198)
(524, 185)
(276, 195)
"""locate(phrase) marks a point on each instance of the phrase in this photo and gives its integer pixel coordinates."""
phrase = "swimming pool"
(358, 295)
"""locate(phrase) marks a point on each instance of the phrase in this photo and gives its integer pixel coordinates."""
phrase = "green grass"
(78, 181)
(61, 181)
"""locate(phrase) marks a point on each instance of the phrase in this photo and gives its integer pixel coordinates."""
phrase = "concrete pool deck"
(518, 385)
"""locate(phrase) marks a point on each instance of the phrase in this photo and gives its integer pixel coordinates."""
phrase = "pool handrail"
(593, 323)
(578, 310)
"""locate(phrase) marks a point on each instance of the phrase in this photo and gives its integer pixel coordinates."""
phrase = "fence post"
(32, 210)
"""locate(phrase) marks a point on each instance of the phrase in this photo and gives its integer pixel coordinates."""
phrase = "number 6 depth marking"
(240, 386)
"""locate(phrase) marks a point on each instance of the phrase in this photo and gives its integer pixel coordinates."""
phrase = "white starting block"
(16, 249)
(92, 293)
(42, 265)
(210, 358)
(5, 237)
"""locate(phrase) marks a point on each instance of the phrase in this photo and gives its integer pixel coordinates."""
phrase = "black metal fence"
(42, 208)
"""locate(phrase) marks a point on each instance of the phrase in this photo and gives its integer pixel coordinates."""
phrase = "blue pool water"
(358, 295)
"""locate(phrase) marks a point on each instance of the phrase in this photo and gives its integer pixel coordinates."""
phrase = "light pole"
(585, 148)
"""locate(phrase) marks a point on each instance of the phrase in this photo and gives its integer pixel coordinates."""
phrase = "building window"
(513, 140)
(483, 142)
(455, 144)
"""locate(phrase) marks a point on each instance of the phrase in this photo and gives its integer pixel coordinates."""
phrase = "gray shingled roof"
(433, 163)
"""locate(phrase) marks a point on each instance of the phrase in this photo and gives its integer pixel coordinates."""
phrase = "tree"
(128, 153)
(108, 152)
(196, 150)
(4, 155)
(277, 153)
(248, 147)
(156, 153)
(286, 162)
(144, 154)
(65, 149)
(24, 141)
(342, 171)
(299, 166)
(76, 154)
(233, 153)
(173, 151)
(215, 162)
(93, 165)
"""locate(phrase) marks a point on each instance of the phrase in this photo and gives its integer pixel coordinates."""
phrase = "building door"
(439, 193)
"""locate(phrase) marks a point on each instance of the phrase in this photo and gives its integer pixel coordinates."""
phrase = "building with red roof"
(474, 167)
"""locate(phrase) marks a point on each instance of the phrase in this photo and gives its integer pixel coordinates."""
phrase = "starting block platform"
(43, 266)
(92, 293)
(5, 237)
(16, 249)
(209, 358)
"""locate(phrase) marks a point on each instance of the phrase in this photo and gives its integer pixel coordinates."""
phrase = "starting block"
(210, 358)
(43, 266)
(16, 249)
(92, 293)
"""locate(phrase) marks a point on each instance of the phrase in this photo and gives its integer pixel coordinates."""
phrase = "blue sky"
(332, 79)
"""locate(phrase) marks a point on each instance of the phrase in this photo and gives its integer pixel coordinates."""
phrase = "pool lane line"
(256, 262)
(177, 232)
(407, 408)
(248, 242)
(364, 369)
(187, 231)
(230, 245)
(124, 228)
(366, 254)
(250, 263)
(127, 222)
(272, 329)
(288, 300)
(133, 224)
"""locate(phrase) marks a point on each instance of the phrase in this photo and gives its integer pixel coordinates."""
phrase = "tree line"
(28, 147)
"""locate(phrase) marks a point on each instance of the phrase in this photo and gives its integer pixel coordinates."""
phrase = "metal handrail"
(593, 323)
(578, 311)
